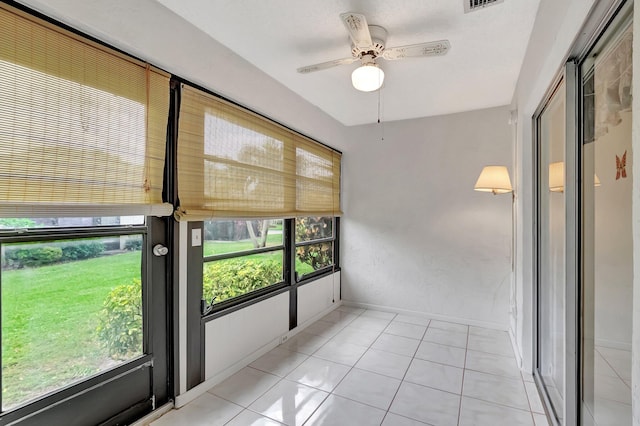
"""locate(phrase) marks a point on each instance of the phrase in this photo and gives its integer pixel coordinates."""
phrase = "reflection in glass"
(70, 309)
(607, 245)
(551, 273)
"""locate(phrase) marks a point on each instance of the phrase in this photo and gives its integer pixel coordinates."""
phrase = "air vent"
(473, 5)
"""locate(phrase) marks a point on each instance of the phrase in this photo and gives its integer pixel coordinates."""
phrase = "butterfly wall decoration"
(621, 166)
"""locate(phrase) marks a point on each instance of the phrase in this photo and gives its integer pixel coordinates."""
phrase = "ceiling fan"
(368, 44)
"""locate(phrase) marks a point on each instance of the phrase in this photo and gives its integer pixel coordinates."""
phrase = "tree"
(258, 154)
(259, 240)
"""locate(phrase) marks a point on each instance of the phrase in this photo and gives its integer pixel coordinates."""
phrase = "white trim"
(516, 350)
(154, 415)
(182, 306)
(484, 324)
(203, 387)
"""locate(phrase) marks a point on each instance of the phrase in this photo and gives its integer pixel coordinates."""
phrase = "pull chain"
(379, 121)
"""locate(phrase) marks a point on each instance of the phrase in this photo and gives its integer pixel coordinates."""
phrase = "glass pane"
(607, 239)
(313, 257)
(69, 222)
(313, 228)
(70, 309)
(231, 236)
(551, 279)
(226, 279)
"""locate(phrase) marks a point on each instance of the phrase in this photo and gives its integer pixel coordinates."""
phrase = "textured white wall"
(415, 234)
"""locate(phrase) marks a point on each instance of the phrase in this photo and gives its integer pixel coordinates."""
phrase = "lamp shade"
(367, 78)
(494, 179)
(556, 176)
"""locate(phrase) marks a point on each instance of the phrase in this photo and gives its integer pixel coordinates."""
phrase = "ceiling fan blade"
(432, 48)
(358, 29)
(325, 65)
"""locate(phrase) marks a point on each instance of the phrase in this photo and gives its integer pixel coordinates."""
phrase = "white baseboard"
(154, 415)
(195, 392)
(485, 324)
(514, 346)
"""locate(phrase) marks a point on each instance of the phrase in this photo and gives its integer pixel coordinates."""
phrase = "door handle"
(160, 250)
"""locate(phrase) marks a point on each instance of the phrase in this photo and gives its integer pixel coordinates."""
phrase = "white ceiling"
(279, 36)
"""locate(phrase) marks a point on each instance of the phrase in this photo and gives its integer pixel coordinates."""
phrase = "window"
(235, 168)
(315, 239)
(241, 257)
(71, 308)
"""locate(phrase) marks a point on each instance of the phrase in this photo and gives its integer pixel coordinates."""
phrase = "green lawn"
(49, 320)
(50, 315)
(221, 247)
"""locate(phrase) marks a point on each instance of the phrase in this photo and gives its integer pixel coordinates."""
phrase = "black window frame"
(145, 360)
(326, 270)
(290, 279)
(207, 309)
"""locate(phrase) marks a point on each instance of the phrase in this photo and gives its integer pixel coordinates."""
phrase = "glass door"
(83, 319)
(607, 245)
(550, 365)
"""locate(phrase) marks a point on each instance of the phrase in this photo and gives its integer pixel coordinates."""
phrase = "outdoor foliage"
(76, 250)
(31, 257)
(39, 255)
(120, 322)
(225, 279)
(314, 228)
(133, 244)
(16, 223)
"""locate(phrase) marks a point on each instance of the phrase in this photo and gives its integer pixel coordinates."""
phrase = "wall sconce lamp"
(494, 179)
(556, 177)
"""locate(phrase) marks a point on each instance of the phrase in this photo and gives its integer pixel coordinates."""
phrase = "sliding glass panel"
(607, 244)
(70, 309)
(551, 246)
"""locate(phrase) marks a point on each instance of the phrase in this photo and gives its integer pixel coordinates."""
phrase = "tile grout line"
(595, 348)
(464, 369)
(350, 369)
(280, 379)
(405, 373)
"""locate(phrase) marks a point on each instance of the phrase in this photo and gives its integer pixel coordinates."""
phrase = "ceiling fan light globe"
(367, 78)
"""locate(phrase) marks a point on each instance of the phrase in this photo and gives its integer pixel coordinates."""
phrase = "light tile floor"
(612, 386)
(366, 367)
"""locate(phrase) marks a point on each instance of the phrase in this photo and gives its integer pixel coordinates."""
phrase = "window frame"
(326, 270)
(62, 393)
(206, 309)
(290, 280)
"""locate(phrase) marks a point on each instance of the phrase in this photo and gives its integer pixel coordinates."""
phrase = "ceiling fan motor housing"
(378, 38)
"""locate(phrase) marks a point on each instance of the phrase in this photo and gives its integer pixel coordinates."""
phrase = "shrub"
(32, 256)
(318, 255)
(76, 250)
(133, 244)
(120, 322)
(313, 228)
(12, 223)
(225, 279)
